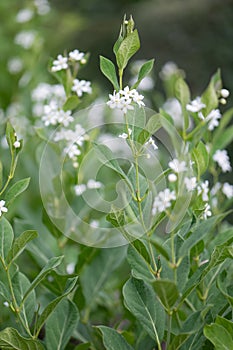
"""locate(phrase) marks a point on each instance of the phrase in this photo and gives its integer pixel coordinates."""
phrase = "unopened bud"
(223, 101)
(224, 93)
(172, 177)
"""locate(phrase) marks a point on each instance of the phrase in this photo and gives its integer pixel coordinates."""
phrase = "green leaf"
(6, 237)
(51, 264)
(128, 47)
(178, 341)
(150, 128)
(60, 325)
(19, 245)
(218, 336)
(160, 249)
(144, 70)
(84, 346)
(20, 284)
(227, 324)
(225, 287)
(193, 323)
(1, 174)
(223, 139)
(167, 292)
(109, 70)
(113, 340)
(71, 283)
(15, 190)
(139, 261)
(140, 300)
(71, 103)
(201, 157)
(182, 94)
(210, 97)
(10, 136)
(10, 339)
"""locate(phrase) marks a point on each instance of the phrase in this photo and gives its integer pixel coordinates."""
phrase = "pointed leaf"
(10, 136)
(128, 47)
(10, 339)
(218, 336)
(139, 263)
(167, 292)
(71, 103)
(15, 190)
(182, 94)
(71, 283)
(140, 299)
(6, 237)
(201, 157)
(113, 340)
(109, 70)
(19, 245)
(60, 325)
(144, 70)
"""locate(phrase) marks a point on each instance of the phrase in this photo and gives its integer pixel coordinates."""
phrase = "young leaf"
(15, 190)
(210, 97)
(1, 174)
(71, 283)
(144, 70)
(128, 47)
(218, 336)
(167, 292)
(60, 325)
(227, 324)
(10, 136)
(6, 237)
(19, 245)
(109, 70)
(140, 299)
(223, 139)
(10, 339)
(51, 264)
(201, 157)
(71, 103)
(113, 340)
(183, 96)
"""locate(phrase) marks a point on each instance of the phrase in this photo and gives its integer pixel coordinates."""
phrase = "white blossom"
(215, 188)
(126, 105)
(76, 55)
(16, 144)
(190, 183)
(94, 223)
(24, 15)
(70, 268)
(6, 304)
(43, 6)
(177, 166)
(59, 64)
(168, 70)
(196, 105)
(81, 86)
(72, 151)
(213, 119)
(207, 212)
(92, 184)
(65, 118)
(203, 189)
(124, 98)
(172, 177)
(3, 209)
(221, 157)
(173, 107)
(15, 65)
(163, 201)
(25, 38)
(227, 189)
(80, 189)
(152, 143)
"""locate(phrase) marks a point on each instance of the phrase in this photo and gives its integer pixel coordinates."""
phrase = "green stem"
(173, 256)
(169, 330)
(121, 78)
(194, 131)
(11, 174)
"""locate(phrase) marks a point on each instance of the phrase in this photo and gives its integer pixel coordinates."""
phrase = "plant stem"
(11, 174)
(169, 330)
(173, 256)
(121, 78)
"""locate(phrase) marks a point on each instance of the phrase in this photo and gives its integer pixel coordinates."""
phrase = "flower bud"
(223, 101)
(172, 177)
(224, 93)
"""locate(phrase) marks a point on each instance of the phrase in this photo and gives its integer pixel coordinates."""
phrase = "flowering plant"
(134, 211)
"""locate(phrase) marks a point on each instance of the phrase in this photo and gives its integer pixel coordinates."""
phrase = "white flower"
(6, 304)
(81, 86)
(213, 119)
(195, 105)
(24, 15)
(215, 188)
(173, 107)
(124, 98)
(207, 212)
(76, 55)
(172, 177)
(15, 65)
(123, 135)
(163, 201)
(3, 209)
(70, 268)
(227, 189)
(80, 189)
(168, 70)
(224, 93)
(204, 190)
(94, 224)
(92, 184)
(222, 159)
(43, 6)
(16, 144)
(127, 93)
(25, 38)
(65, 118)
(126, 105)
(72, 151)
(59, 64)
(152, 143)
(114, 100)
(177, 166)
(190, 183)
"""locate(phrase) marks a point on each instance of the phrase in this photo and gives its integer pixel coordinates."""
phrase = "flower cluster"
(124, 99)
(222, 159)
(81, 86)
(163, 201)
(62, 62)
(54, 115)
(3, 209)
